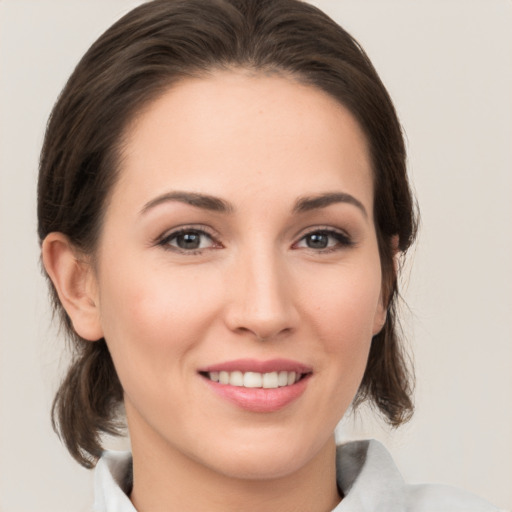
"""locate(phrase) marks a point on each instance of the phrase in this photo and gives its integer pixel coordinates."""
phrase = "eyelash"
(343, 240)
(165, 241)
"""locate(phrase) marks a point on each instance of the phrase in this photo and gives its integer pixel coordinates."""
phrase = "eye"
(324, 240)
(188, 240)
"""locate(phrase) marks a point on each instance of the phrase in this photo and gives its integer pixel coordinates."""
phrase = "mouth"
(258, 386)
(269, 380)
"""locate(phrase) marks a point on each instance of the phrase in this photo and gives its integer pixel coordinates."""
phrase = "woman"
(222, 207)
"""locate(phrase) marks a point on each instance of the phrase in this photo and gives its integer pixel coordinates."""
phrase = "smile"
(258, 386)
(269, 380)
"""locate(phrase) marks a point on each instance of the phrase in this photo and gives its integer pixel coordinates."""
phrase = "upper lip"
(255, 365)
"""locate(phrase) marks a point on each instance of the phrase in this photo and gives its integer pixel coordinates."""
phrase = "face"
(238, 281)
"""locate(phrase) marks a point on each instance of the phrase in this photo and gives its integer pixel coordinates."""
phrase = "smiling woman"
(260, 291)
(223, 203)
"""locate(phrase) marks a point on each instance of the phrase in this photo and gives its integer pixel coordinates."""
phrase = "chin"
(265, 460)
(256, 467)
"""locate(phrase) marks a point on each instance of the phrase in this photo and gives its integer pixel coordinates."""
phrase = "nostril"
(265, 335)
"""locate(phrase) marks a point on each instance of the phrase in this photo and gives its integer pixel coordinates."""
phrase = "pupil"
(189, 241)
(318, 241)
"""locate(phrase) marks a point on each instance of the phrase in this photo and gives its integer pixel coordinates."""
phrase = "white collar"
(112, 482)
(366, 474)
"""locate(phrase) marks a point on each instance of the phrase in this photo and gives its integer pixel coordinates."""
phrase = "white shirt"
(365, 472)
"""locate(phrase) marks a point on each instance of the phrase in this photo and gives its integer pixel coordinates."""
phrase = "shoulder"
(433, 498)
(371, 481)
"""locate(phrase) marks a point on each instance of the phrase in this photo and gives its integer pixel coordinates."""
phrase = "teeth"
(236, 379)
(255, 380)
(270, 380)
(251, 380)
(282, 379)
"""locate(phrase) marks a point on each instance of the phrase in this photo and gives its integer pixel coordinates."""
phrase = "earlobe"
(380, 316)
(75, 283)
(389, 279)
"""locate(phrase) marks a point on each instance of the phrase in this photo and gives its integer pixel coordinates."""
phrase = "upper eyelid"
(200, 228)
(325, 229)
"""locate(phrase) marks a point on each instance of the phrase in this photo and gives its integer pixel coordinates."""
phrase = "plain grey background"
(448, 67)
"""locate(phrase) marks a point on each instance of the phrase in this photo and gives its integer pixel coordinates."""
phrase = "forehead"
(233, 132)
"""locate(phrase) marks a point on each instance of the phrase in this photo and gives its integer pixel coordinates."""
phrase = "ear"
(380, 316)
(384, 297)
(395, 240)
(75, 282)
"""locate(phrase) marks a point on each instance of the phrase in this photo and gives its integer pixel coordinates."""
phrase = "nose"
(261, 297)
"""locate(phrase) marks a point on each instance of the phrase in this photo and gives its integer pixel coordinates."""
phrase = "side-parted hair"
(133, 63)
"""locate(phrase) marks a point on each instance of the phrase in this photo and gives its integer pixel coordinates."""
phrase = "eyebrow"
(215, 204)
(203, 201)
(308, 203)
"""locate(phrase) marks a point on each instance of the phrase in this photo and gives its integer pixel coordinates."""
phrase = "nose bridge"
(261, 298)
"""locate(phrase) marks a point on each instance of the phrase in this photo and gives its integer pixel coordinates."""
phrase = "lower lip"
(260, 399)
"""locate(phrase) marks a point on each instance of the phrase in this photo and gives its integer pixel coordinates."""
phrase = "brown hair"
(130, 65)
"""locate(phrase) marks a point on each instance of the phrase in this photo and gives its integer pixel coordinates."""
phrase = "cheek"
(339, 310)
(345, 307)
(151, 319)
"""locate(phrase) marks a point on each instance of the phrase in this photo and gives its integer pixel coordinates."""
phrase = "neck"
(166, 479)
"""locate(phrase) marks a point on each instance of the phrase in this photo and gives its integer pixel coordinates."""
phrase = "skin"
(256, 288)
